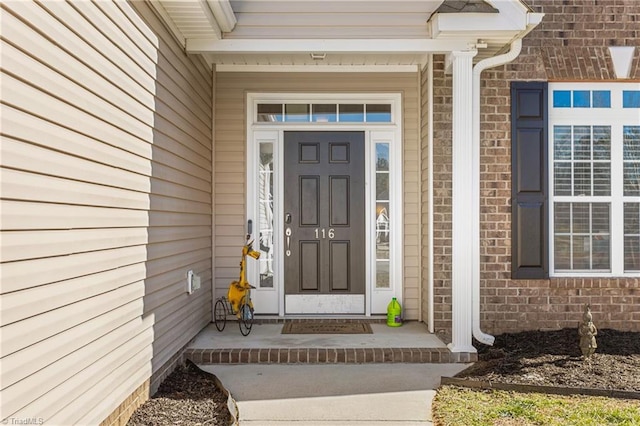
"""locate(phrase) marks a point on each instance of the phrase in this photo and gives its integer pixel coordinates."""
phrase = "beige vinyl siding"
(105, 176)
(230, 153)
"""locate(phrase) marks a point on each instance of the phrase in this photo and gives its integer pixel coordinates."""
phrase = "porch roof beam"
(248, 46)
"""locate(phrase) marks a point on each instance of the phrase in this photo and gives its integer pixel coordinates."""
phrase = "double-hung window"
(594, 179)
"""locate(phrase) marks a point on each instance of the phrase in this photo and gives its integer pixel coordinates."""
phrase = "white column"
(462, 202)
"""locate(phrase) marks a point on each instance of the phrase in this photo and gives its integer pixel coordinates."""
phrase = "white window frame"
(617, 117)
(376, 300)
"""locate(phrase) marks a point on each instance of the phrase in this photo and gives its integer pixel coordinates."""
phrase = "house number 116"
(321, 233)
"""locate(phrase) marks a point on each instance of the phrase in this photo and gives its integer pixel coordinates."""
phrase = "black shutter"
(529, 181)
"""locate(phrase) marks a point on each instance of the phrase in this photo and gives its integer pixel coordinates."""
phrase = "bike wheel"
(220, 314)
(245, 320)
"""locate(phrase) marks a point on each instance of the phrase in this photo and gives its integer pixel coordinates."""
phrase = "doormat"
(317, 327)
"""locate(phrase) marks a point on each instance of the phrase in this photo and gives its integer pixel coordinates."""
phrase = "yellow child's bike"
(238, 300)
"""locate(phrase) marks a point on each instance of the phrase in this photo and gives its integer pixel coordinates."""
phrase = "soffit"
(188, 19)
(359, 25)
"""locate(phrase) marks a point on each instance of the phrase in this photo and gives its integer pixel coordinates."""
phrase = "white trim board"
(390, 46)
(324, 304)
(318, 68)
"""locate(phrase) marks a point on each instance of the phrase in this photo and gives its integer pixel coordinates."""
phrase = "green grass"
(455, 406)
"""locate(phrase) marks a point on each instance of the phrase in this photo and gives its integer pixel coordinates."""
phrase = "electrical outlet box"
(190, 282)
(195, 282)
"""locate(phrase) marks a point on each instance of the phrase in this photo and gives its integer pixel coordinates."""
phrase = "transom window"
(582, 99)
(323, 113)
(595, 181)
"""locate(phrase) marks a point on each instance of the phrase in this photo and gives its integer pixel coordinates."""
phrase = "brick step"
(327, 356)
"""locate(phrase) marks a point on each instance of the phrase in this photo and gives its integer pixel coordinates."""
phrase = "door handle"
(288, 234)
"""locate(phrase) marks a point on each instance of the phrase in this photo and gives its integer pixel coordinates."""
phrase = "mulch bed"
(188, 397)
(553, 358)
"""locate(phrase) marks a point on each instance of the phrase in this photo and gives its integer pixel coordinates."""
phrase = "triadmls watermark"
(23, 421)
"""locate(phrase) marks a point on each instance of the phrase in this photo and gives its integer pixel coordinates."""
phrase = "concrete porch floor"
(411, 343)
(411, 334)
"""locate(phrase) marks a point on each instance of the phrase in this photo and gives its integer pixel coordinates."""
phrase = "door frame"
(273, 132)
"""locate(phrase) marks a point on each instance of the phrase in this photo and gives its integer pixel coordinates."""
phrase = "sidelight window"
(265, 210)
(383, 214)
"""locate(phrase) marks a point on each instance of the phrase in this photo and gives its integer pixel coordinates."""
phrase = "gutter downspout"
(533, 19)
(224, 15)
(516, 47)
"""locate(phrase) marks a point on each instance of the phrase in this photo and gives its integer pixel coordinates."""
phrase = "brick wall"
(442, 136)
(121, 415)
(570, 44)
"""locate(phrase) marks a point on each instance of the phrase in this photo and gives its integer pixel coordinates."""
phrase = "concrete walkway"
(336, 394)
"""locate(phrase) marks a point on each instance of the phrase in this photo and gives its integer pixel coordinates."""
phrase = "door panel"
(310, 265)
(339, 200)
(324, 195)
(339, 268)
(309, 195)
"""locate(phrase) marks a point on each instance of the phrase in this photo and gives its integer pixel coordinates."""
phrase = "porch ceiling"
(385, 33)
